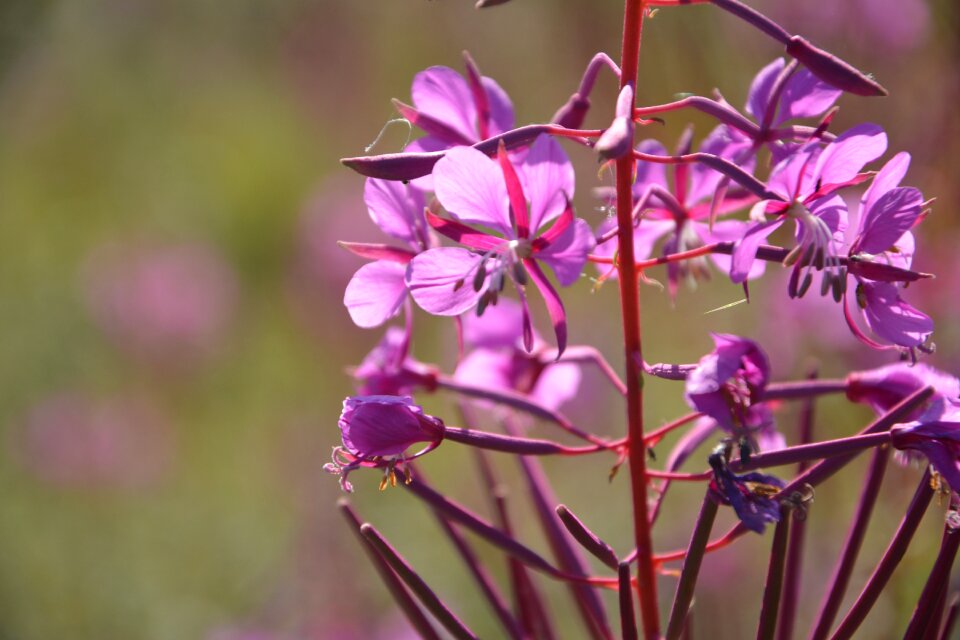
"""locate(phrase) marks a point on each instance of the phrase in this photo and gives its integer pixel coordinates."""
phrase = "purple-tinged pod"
(832, 69)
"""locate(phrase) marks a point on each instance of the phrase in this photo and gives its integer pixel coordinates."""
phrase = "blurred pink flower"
(166, 304)
(72, 439)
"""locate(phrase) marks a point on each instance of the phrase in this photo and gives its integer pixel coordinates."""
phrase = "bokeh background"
(172, 338)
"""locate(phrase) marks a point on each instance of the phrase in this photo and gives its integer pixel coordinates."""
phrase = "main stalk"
(630, 309)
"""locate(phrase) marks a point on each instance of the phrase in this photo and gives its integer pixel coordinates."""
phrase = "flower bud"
(385, 425)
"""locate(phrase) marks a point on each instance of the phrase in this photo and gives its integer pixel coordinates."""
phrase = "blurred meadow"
(174, 343)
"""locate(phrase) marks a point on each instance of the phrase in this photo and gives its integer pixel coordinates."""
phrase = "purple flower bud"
(617, 141)
(386, 425)
(832, 69)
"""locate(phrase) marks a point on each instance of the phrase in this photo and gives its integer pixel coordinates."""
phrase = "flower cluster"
(477, 203)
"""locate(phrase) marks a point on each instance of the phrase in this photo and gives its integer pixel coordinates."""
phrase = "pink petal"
(487, 368)
(470, 186)
(432, 278)
(501, 109)
(892, 215)
(846, 156)
(442, 94)
(806, 96)
(558, 384)
(375, 293)
(499, 326)
(555, 310)
(888, 178)
(745, 249)
(893, 319)
(759, 96)
(567, 254)
(728, 231)
(395, 207)
(548, 180)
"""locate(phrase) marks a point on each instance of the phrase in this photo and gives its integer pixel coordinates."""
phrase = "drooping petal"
(846, 156)
(395, 207)
(440, 281)
(470, 186)
(567, 254)
(459, 232)
(806, 96)
(759, 95)
(548, 180)
(558, 316)
(745, 249)
(375, 293)
(893, 319)
(893, 214)
(443, 94)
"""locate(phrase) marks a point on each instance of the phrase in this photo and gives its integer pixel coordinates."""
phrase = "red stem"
(630, 309)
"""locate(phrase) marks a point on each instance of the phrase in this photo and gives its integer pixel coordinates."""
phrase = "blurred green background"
(173, 339)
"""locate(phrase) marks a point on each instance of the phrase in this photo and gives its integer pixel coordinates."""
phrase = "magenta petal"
(728, 231)
(395, 207)
(567, 254)
(501, 109)
(499, 327)
(555, 310)
(888, 178)
(745, 249)
(548, 180)
(470, 186)
(793, 176)
(893, 319)
(891, 216)
(703, 181)
(487, 368)
(846, 156)
(806, 96)
(433, 276)
(833, 211)
(557, 385)
(385, 425)
(443, 94)
(375, 293)
(648, 173)
(759, 95)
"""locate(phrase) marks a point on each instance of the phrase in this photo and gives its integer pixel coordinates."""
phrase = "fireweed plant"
(479, 213)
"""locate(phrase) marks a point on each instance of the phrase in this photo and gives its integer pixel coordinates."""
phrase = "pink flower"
(74, 440)
(166, 304)
(379, 426)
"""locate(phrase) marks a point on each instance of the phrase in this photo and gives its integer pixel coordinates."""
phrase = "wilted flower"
(751, 495)
(728, 384)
